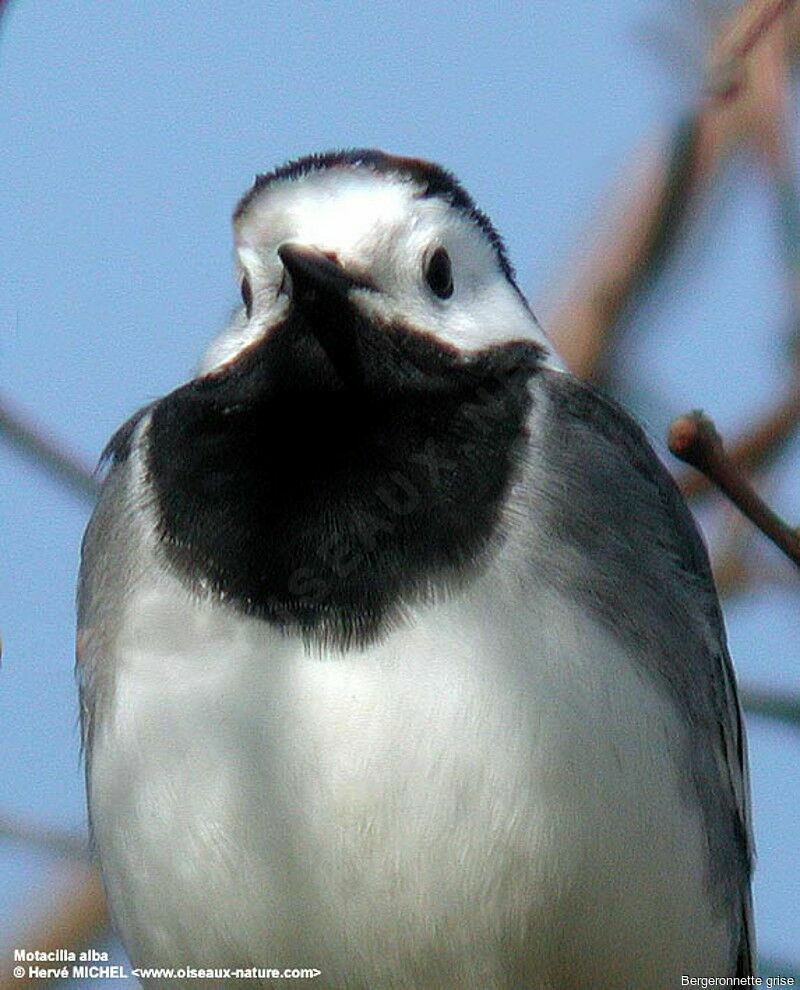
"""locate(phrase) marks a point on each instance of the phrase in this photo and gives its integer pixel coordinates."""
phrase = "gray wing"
(111, 556)
(625, 516)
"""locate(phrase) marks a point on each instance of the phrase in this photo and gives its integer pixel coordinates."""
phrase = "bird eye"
(439, 273)
(247, 296)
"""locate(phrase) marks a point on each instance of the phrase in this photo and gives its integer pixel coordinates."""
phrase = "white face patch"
(379, 225)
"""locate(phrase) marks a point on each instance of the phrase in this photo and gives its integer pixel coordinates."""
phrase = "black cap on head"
(432, 180)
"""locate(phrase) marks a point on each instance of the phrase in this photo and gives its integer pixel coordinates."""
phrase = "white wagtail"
(400, 657)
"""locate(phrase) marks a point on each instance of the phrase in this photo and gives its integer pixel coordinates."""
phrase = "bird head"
(342, 243)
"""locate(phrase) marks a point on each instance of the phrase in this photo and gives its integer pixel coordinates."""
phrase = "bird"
(400, 659)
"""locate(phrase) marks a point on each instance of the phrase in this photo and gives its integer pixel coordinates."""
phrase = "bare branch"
(694, 440)
(54, 840)
(758, 446)
(46, 452)
(655, 200)
(629, 254)
(743, 32)
(772, 705)
(76, 914)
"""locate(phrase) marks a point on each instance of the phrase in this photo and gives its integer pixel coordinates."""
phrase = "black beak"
(320, 298)
(314, 272)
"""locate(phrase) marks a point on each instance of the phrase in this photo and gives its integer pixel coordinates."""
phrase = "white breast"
(489, 798)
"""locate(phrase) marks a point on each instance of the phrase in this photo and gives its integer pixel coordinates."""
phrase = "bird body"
(399, 654)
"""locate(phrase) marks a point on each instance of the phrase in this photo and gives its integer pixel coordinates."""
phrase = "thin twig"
(54, 840)
(627, 254)
(46, 453)
(5, 6)
(776, 968)
(76, 914)
(773, 705)
(756, 447)
(746, 28)
(627, 257)
(694, 440)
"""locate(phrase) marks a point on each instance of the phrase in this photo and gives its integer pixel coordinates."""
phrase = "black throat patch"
(327, 506)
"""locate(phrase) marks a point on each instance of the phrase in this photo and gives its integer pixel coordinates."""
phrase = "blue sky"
(129, 131)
